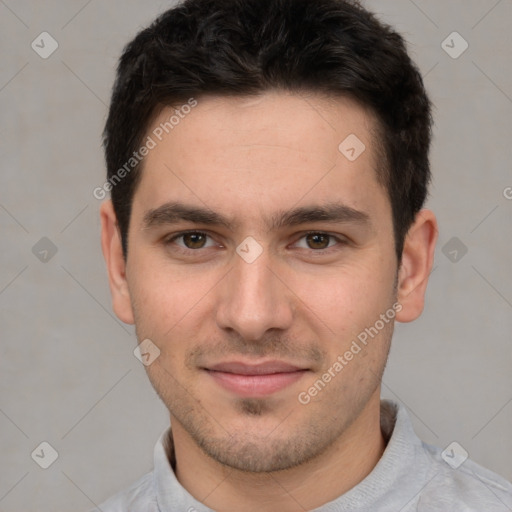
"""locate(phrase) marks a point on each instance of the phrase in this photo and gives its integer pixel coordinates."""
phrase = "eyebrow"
(175, 212)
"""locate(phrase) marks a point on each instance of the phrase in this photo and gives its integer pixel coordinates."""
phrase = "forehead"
(265, 153)
(309, 123)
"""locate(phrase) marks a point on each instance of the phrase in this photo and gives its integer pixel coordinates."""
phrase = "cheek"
(347, 300)
(165, 296)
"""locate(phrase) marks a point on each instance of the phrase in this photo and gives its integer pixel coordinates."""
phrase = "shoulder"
(140, 495)
(463, 485)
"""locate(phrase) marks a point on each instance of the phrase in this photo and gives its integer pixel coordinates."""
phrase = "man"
(268, 165)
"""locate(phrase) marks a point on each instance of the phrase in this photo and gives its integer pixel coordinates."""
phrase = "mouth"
(255, 380)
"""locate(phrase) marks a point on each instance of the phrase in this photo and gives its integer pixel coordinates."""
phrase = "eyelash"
(185, 250)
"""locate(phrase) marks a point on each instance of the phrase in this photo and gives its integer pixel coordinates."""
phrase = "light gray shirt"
(410, 476)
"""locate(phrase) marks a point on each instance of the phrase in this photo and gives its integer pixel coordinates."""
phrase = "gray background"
(67, 371)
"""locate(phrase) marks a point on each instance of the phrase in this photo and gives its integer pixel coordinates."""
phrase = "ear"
(116, 265)
(417, 262)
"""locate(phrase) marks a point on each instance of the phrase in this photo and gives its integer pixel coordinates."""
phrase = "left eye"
(318, 241)
(192, 240)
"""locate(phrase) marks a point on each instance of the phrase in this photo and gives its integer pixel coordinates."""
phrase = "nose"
(253, 299)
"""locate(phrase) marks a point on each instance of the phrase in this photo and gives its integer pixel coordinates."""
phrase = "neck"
(340, 468)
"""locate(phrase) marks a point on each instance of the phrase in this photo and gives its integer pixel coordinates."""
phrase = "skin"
(302, 301)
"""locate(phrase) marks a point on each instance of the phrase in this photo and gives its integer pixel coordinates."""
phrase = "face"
(258, 253)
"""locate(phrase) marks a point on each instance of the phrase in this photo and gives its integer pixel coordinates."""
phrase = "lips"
(255, 369)
(255, 379)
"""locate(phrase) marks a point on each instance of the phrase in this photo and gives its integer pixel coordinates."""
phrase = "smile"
(255, 380)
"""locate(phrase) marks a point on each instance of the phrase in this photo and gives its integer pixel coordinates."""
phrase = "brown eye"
(194, 240)
(318, 240)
